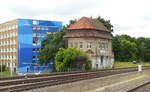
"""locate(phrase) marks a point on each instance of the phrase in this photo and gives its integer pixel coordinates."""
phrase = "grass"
(7, 73)
(45, 72)
(129, 64)
(117, 64)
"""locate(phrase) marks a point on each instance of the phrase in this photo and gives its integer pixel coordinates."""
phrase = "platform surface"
(114, 83)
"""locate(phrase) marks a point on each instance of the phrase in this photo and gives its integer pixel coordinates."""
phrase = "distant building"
(94, 38)
(20, 42)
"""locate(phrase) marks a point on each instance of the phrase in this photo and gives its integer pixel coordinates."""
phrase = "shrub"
(67, 59)
(3, 67)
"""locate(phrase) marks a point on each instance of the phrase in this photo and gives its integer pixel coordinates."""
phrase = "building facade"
(20, 42)
(94, 38)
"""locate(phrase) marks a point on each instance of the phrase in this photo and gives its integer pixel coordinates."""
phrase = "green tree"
(147, 50)
(127, 37)
(141, 48)
(117, 49)
(3, 67)
(67, 58)
(71, 22)
(125, 48)
(106, 23)
(129, 50)
(50, 46)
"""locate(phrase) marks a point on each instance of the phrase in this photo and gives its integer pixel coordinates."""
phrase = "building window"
(42, 28)
(81, 44)
(89, 45)
(9, 28)
(46, 28)
(106, 47)
(14, 49)
(102, 58)
(70, 44)
(34, 34)
(35, 49)
(14, 57)
(13, 26)
(35, 41)
(7, 64)
(34, 28)
(35, 58)
(34, 22)
(14, 42)
(38, 28)
(103, 46)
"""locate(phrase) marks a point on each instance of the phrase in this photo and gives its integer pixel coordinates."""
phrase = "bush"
(67, 59)
(3, 67)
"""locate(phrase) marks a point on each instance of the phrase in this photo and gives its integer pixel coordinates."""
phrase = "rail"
(38, 81)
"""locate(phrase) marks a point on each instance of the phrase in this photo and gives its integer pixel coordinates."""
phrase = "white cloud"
(130, 17)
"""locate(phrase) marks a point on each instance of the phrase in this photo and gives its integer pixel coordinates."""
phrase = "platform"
(114, 83)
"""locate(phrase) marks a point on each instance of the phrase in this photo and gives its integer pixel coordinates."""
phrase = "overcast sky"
(130, 17)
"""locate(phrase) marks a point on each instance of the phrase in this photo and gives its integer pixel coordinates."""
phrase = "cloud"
(131, 17)
(60, 8)
(25, 11)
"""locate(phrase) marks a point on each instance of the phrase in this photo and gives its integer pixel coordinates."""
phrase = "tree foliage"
(106, 23)
(3, 67)
(67, 58)
(124, 48)
(128, 48)
(50, 46)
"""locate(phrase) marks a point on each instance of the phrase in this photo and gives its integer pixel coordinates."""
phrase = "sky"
(131, 17)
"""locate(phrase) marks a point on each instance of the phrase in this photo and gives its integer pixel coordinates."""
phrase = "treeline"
(127, 48)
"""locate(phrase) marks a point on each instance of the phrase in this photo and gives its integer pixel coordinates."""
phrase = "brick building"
(94, 38)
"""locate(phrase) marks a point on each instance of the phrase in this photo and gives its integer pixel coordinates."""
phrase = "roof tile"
(88, 23)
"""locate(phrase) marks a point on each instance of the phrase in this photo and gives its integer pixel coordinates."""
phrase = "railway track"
(32, 76)
(142, 88)
(15, 84)
(43, 75)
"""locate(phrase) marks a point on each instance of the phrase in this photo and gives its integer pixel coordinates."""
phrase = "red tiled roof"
(88, 23)
(81, 34)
